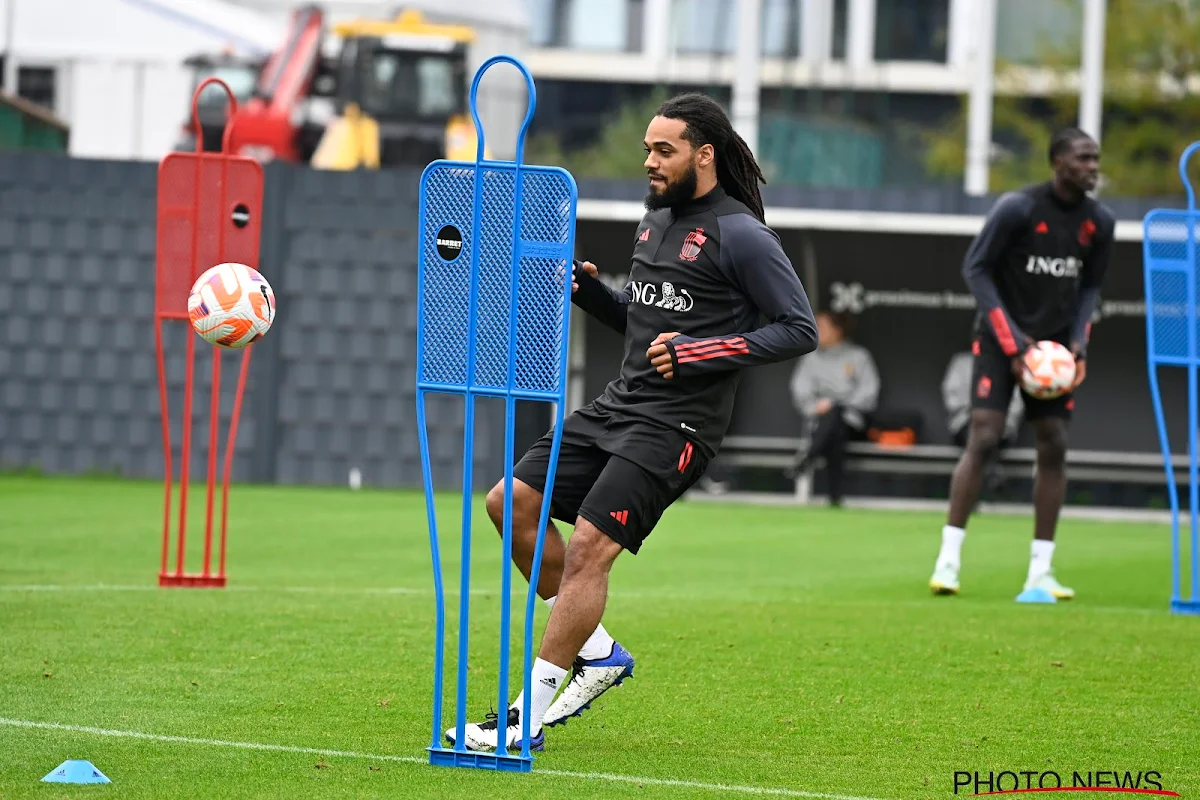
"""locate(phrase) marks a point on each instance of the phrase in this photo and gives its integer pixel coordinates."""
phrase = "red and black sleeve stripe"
(705, 349)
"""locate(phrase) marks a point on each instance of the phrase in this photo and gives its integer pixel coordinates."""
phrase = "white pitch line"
(67, 587)
(54, 726)
(114, 587)
(518, 596)
(517, 593)
(715, 787)
(318, 751)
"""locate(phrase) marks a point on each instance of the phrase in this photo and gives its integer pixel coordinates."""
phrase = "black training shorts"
(993, 382)
(618, 473)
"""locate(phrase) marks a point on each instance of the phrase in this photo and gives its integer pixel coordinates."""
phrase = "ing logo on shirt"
(665, 296)
(1068, 267)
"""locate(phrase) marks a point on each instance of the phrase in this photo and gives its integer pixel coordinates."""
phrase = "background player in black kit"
(705, 268)
(1036, 270)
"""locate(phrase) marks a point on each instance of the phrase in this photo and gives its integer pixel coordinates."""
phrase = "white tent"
(118, 71)
(116, 66)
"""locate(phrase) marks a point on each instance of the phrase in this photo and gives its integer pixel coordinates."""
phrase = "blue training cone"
(76, 770)
(1036, 595)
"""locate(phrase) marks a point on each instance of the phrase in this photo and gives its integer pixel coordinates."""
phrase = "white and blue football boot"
(589, 680)
(482, 736)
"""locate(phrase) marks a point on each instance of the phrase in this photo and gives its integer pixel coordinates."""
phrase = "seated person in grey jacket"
(835, 388)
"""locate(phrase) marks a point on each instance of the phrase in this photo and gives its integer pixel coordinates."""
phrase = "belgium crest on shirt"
(1086, 230)
(692, 244)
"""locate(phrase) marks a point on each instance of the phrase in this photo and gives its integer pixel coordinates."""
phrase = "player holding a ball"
(1036, 270)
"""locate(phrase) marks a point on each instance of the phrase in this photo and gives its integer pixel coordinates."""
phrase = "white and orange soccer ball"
(231, 306)
(1049, 370)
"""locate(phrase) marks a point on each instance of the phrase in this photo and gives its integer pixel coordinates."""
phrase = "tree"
(1151, 108)
(616, 154)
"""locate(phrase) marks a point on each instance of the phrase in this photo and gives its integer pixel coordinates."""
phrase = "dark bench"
(771, 453)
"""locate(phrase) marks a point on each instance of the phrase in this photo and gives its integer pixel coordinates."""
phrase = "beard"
(675, 193)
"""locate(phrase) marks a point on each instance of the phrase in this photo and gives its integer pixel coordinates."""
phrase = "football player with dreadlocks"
(705, 267)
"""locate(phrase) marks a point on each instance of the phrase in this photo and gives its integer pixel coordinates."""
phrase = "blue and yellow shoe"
(589, 680)
(1045, 588)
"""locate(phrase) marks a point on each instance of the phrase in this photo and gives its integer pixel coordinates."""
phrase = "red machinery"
(268, 125)
(393, 91)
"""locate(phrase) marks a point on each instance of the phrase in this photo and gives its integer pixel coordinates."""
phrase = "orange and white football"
(1049, 370)
(231, 305)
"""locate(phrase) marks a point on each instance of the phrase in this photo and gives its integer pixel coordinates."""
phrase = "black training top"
(1037, 266)
(707, 269)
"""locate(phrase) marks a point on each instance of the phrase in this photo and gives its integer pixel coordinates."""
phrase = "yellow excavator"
(400, 94)
(396, 93)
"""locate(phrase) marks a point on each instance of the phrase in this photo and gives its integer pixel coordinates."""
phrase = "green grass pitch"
(793, 650)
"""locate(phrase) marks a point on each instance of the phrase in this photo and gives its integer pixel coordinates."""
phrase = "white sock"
(598, 645)
(951, 552)
(1040, 554)
(545, 682)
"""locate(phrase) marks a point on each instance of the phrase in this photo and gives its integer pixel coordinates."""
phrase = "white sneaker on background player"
(945, 569)
(1040, 575)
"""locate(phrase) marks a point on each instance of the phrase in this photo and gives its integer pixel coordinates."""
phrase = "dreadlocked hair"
(737, 171)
